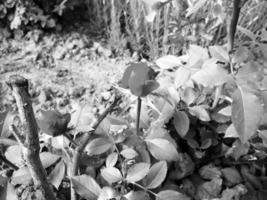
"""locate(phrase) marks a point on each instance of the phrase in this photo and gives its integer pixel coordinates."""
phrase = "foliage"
(200, 121)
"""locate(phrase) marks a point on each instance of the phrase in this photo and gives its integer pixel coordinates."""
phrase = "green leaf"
(242, 54)
(246, 112)
(219, 52)
(200, 112)
(197, 55)
(210, 172)
(168, 62)
(238, 149)
(21, 176)
(194, 8)
(182, 75)
(112, 159)
(48, 159)
(6, 119)
(162, 149)
(111, 174)
(156, 175)
(171, 195)
(14, 155)
(98, 146)
(137, 172)
(129, 153)
(181, 122)
(231, 132)
(86, 187)
(232, 176)
(57, 174)
(211, 74)
(52, 122)
(137, 195)
(108, 193)
(247, 32)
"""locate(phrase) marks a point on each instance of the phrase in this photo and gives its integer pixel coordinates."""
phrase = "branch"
(7, 142)
(79, 149)
(31, 146)
(233, 24)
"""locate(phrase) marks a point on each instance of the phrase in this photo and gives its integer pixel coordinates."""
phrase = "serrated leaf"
(111, 174)
(112, 159)
(246, 112)
(137, 172)
(200, 112)
(11, 193)
(182, 75)
(129, 153)
(210, 172)
(238, 149)
(156, 175)
(181, 122)
(86, 187)
(171, 195)
(108, 193)
(137, 195)
(232, 176)
(211, 74)
(231, 132)
(162, 149)
(98, 146)
(57, 174)
(14, 155)
(220, 53)
(52, 122)
(6, 119)
(197, 55)
(227, 111)
(168, 62)
(241, 55)
(194, 8)
(21, 176)
(81, 116)
(48, 159)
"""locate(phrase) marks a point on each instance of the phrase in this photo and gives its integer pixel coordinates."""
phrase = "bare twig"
(31, 146)
(79, 149)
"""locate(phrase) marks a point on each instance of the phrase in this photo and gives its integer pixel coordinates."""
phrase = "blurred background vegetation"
(149, 28)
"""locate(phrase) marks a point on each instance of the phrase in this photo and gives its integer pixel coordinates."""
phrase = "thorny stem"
(79, 149)
(139, 103)
(30, 146)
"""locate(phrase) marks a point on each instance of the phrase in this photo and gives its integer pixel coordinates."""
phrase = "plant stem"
(30, 146)
(139, 103)
(145, 189)
(79, 149)
(233, 24)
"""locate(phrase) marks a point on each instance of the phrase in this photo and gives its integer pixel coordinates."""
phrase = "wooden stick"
(31, 146)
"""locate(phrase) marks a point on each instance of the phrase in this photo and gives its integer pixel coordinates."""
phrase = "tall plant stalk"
(139, 103)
